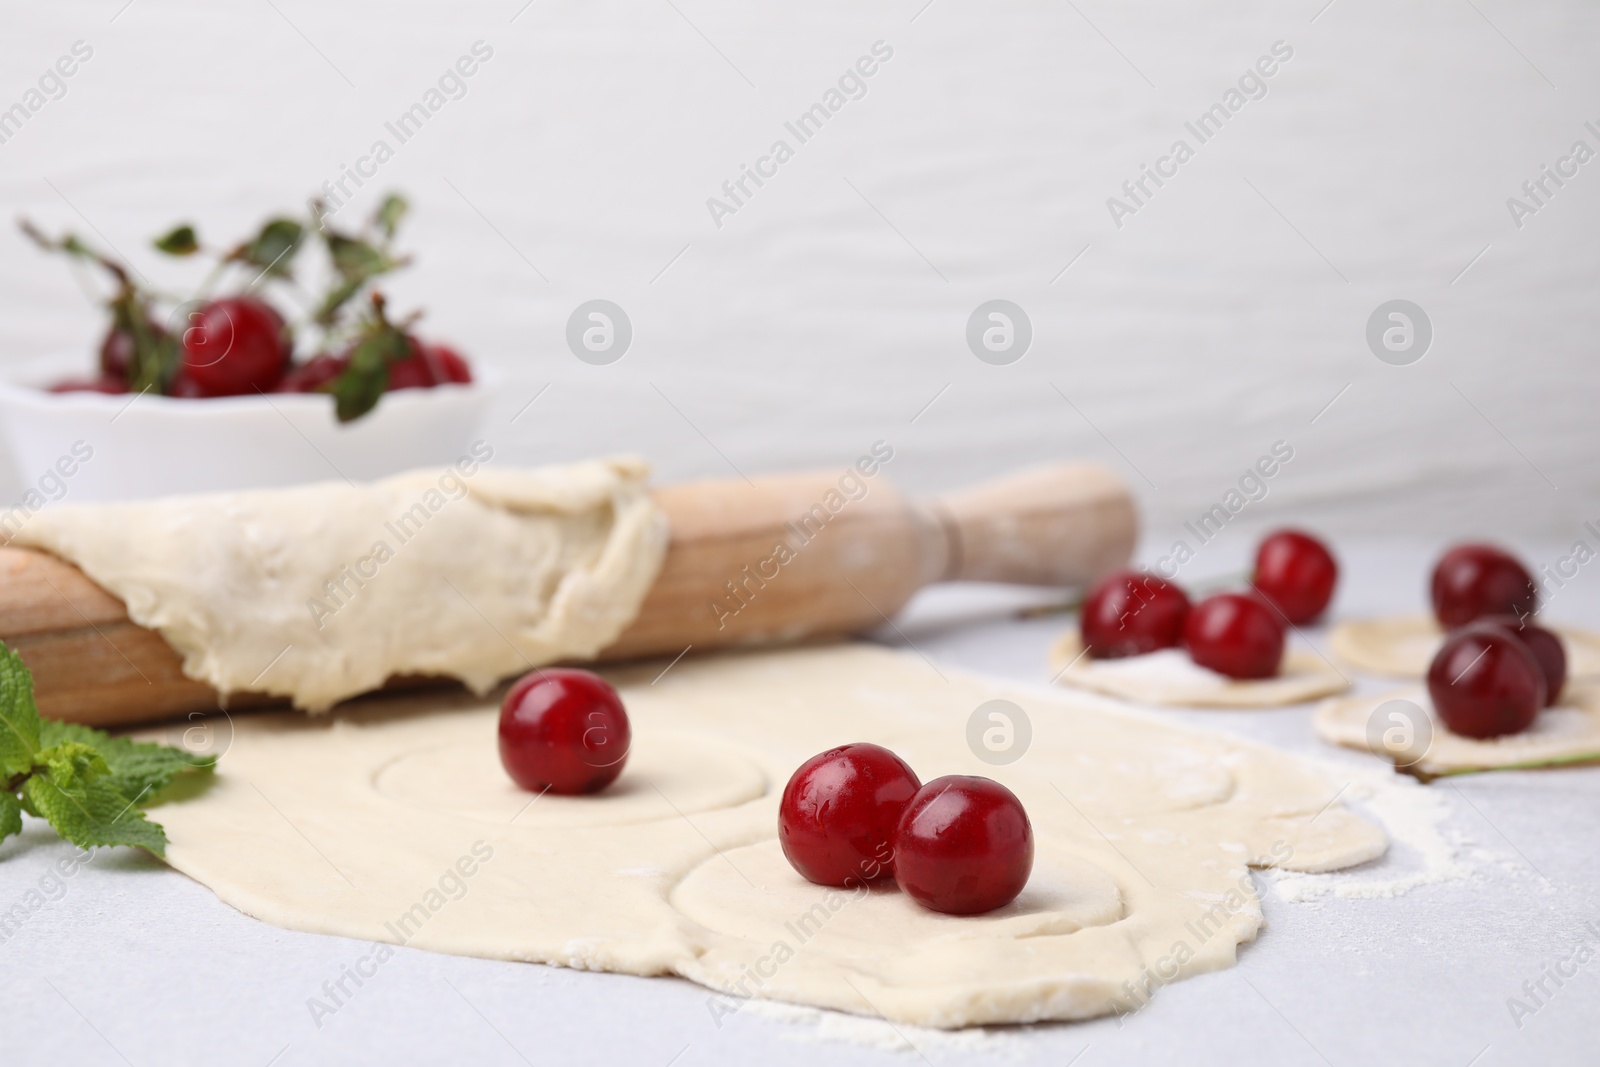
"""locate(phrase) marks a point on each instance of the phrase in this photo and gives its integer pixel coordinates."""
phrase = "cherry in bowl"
(564, 731)
(234, 346)
(964, 846)
(1485, 682)
(316, 374)
(837, 818)
(1235, 634)
(1129, 613)
(428, 364)
(1474, 580)
(1296, 572)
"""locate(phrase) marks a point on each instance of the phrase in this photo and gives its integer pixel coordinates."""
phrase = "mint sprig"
(87, 784)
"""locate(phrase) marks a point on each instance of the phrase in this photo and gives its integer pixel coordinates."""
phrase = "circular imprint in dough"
(466, 779)
(1171, 677)
(1566, 733)
(1155, 774)
(1403, 646)
(753, 895)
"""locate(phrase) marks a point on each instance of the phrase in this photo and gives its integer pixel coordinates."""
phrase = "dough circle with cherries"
(1171, 677)
(1403, 646)
(1566, 733)
(385, 822)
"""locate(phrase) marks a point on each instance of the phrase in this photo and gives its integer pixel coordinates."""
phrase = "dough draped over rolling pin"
(320, 592)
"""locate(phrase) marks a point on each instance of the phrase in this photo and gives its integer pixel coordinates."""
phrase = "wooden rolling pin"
(774, 560)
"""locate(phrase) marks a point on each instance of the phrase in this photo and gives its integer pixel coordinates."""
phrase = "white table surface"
(137, 964)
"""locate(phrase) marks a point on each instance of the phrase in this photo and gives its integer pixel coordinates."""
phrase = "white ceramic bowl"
(146, 446)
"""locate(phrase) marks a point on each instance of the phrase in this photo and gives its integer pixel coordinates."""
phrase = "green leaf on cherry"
(389, 213)
(366, 376)
(355, 258)
(179, 241)
(327, 312)
(273, 249)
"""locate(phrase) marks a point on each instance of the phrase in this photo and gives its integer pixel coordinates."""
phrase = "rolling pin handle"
(1064, 524)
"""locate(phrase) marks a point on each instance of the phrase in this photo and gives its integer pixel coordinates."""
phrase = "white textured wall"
(1222, 317)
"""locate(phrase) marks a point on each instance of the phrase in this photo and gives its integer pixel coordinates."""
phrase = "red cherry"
(412, 372)
(1474, 580)
(1296, 572)
(1485, 682)
(1235, 634)
(964, 846)
(185, 387)
(447, 364)
(233, 346)
(563, 730)
(1130, 613)
(90, 385)
(313, 374)
(837, 819)
(116, 353)
(1546, 647)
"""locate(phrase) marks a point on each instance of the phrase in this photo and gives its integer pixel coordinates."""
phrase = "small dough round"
(1402, 646)
(465, 778)
(751, 892)
(1567, 733)
(1171, 677)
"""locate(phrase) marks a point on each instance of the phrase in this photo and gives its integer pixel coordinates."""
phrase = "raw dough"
(1567, 733)
(1171, 677)
(320, 592)
(1144, 836)
(1403, 646)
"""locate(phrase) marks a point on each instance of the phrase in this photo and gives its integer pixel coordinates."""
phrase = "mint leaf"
(179, 241)
(71, 763)
(19, 716)
(136, 768)
(90, 813)
(10, 816)
(86, 783)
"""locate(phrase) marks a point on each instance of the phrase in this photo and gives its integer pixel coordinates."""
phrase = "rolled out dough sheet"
(392, 821)
(1567, 733)
(1171, 677)
(320, 592)
(1403, 646)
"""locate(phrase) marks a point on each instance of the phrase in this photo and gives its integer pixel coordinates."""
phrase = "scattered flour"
(1414, 816)
(817, 1025)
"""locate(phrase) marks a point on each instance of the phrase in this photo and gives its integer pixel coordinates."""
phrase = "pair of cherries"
(961, 844)
(1497, 668)
(1240, 635)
